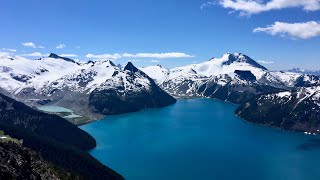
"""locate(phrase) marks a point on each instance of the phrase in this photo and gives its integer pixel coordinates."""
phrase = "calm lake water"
(202, 139)
(58, 109)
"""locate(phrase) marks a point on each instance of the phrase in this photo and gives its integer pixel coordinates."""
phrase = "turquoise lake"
(202, 139)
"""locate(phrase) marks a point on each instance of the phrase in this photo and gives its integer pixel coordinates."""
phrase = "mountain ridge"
(63, 82)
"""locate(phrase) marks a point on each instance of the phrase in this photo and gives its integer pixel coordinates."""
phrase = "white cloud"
(61, 46)
(68, 55)
(207, 5)
(104, 56)
(158, 55)
(248, 7)
(11, 50)
(304, 30)
(154, 61)
(4, 54)
(31, 44)
(266, 62)
(134, 60)
(35, 54)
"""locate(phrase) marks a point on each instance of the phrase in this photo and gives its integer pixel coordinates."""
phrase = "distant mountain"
(298, 70)
(291, 110)
(61, 81)
(54, 138)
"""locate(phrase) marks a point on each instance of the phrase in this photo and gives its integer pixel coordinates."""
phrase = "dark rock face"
(307, 81)
(17, 162)
(130, 67)
(43, 102)
(55, 56)
(112, 102)
(57, 140)
(235, 90)
(245, 75)
(297, 111)
(122, 99)
(20, 77)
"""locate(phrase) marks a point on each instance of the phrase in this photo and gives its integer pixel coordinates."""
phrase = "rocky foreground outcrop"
(17, 162)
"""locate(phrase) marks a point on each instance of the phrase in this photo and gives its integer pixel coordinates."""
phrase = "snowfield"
(46, 74)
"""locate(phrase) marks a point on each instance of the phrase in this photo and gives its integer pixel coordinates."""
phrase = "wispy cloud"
(249, 7)
(31, 44)
(207, 5)
(266, 62)
(134, 60)
(154, 61)
(158, 55)
(68, 55)
(304, 30)
(35, 54)
(11, 50)
(104, 56)
(140, 55)
(61, 46)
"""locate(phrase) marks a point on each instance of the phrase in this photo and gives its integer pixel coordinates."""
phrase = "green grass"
(8, 138)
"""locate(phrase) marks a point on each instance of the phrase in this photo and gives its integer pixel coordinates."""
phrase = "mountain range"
(91, 89)
(96, 88)
(304, 71)
(282, 99)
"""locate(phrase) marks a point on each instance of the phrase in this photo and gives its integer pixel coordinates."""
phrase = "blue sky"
(116, 27)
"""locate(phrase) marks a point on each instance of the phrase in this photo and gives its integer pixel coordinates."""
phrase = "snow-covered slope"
(158, 73)
(227, 64)
(54, 73)
(19, 73)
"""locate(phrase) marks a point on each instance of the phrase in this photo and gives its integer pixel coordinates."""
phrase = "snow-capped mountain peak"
(227, 64)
